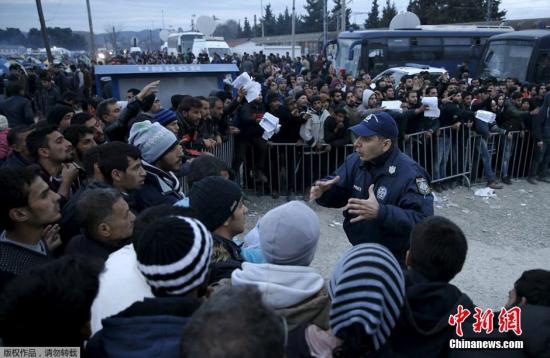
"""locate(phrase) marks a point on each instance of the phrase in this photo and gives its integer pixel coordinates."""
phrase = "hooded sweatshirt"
(423, 329)
(296, 292)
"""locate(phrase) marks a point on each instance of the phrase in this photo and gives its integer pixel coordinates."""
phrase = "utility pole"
(44, 32)
(92, 36)
(343, 13)
(489, 9)
(262, 18)
(324, 23)
(293, 26)
(114, 41)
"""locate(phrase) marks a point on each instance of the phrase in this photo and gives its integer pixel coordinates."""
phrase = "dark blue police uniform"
(400, 185)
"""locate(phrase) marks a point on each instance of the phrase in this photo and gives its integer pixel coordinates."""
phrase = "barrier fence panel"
(451, 153)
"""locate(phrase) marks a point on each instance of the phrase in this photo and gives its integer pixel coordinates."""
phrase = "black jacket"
(15, 160)
(18, 111)
(227, 258)
(248, 122)
(149, 328)
(290, 127)
(160, 187)
(337, 138)
(423, 329)
(84, 246)
(541, 123)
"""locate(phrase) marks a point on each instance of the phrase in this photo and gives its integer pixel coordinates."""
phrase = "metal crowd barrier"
(448, 154)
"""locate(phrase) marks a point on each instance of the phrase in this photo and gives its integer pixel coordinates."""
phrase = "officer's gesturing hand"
(364, 209)
(320, 187)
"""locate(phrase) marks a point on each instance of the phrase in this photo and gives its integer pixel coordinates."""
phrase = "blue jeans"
(509, 145)
(445, 143)
(486, 158)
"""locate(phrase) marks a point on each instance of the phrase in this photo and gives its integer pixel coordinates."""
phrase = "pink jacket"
(4, 146)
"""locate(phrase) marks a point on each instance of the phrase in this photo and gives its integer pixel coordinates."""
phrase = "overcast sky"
(145, 14)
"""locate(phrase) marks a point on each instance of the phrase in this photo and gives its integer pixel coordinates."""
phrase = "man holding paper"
(384, 192)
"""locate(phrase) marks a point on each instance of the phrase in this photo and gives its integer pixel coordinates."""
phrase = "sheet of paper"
(253, 90)
(269, 122)
(242, 80)
(392, 105)
(486, 116)
(432, 111)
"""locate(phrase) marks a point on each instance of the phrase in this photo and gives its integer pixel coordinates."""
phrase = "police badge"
(381, 193)
(423, 186)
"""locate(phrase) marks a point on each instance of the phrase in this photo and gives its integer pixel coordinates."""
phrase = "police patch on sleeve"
(423, 186)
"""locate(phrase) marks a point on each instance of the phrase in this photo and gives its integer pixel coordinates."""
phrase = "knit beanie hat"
(214, 199)
(367, 287)
(152, 139)
(165, 116)
(289, 234)
(3, 122)
(173, 255)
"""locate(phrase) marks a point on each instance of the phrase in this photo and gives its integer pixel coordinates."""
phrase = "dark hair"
(408, 93)
(102, 107)
(355, 342)
(153, 213)
(341, 111)
(114, 155)
(438, 248)
(188, 103)
(516, 95)
(175, 100)
(56, 114)
(534, 285)
(69, 96)
(75, 133)
(50, 304)
(334, 91)
(133, 91)
(81, 118)
(93, 207)
(13, 89)
(203, 166)
(13, 134)
(213, 99)
(90, 159)
(14, 191)
(234, 323)
(39, 138)
(315, 99)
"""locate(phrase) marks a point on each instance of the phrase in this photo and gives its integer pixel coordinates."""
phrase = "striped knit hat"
(174, 255)
(165, 116)
(367, 287)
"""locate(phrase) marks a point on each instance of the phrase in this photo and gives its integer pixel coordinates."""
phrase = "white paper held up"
(432, 111)
(392, 105)
(486, 116)
(242, 80)
(253, 90)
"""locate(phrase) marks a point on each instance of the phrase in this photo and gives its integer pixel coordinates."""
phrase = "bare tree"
(112, 32)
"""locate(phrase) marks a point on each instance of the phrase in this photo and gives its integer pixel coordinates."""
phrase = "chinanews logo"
(483, 325)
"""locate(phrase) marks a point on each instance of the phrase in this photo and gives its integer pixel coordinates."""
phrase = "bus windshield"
(507, 58)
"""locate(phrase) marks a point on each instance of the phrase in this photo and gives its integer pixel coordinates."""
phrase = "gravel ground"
(506, 234)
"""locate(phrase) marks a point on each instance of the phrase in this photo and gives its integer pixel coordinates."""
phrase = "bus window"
(542, 67)
(507, 58)
(399, 49)
(426, 49)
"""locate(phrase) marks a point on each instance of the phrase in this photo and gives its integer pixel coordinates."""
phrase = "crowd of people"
(104, 248)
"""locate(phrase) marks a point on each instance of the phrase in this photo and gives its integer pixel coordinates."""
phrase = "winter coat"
(296, 292)
(423, 329)
(151, 328)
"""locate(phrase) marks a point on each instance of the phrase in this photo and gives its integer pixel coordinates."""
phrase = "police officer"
(384, 192)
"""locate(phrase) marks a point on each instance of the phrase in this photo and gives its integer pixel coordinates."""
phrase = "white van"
(212, 45)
